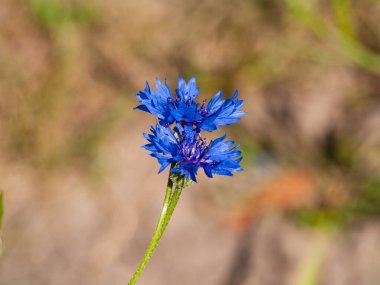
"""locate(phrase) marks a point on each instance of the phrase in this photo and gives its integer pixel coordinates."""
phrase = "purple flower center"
(193, 151)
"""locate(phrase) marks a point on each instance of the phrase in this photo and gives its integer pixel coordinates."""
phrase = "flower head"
(188, 151)
(183, 107)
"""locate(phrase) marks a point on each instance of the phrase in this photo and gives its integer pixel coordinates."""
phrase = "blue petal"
(163, 166)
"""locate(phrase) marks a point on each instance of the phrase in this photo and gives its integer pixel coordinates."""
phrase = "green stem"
(170, 202)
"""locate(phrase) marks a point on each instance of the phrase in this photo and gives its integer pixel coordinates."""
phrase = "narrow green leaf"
(343, 16)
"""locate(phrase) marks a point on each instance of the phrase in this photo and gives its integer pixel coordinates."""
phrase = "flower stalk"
(170, 202)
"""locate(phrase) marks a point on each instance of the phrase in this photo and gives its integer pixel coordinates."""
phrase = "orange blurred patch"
(288, 190)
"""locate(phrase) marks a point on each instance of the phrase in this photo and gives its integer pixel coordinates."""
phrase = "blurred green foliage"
(366, 202)
(250, 150)
(319, 218)
(363, 204)
(52, 14)
(339, 34)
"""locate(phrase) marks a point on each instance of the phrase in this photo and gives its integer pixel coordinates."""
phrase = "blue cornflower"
(176, 141)
(187, 151)
(183, 107)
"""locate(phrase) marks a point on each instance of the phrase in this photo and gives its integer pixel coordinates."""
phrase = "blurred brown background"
(82, 197)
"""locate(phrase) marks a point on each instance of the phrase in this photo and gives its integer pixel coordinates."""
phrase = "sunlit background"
(82, 197)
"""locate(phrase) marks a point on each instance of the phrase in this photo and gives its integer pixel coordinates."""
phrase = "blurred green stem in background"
(310, 268)
(170, 202)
